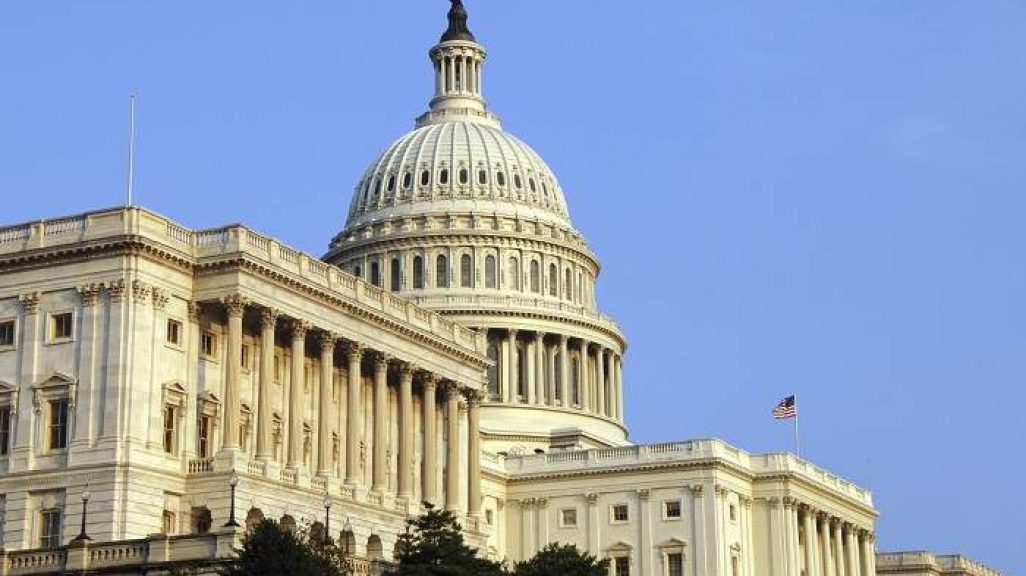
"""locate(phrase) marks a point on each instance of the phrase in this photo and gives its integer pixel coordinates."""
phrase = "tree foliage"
(433, 545)
(270, 550)
(562, 560)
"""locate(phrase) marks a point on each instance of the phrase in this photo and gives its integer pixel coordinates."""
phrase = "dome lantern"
(458, 60)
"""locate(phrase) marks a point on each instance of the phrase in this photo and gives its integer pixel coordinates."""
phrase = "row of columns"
(457, 74)
(829, 546)
(455, 395)
(549, 375)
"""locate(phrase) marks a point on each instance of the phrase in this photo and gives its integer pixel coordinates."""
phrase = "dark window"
(514, 273)
(553, 280)
(425, 177)
(5, 431)
(464, 176)
(517, 181)
(535, 277)
(204, 436)
(672, 508)
(620, 513)
(7, 333)
(534, 187)
(490, 272)
(209, 344)
(59, 424)
(575, 391)
(466, 271)
(357, 271)
(174, 332)
(397, 275)
(391, 184)
(202, 521)
(493, 371)
(441, 271)
(50, 530)
(170, 417)
(675, 564)
(407, 180)
(443, 176)
(167, 522)
(545, 190)
(418, 273)
(568, 285)
(482, 177)
(501, 178)
(375, 277)
(622, 565)
(60, 326)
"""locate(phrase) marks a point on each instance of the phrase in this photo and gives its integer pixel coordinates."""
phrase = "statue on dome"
(458, 29)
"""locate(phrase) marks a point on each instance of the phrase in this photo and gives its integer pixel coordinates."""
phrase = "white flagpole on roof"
(797, 438)
(131, 148)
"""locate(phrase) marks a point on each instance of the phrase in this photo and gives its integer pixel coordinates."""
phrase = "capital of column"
(407, 369)
(451, 389)
(823, 517)
(354, 350)
(474, 397)
(235, 304)
(539, 336)
(835, 523)
(269, 318)
(723, 491)
(512, 334)
(30, 302)
(592, 498)
(429, 380)
(327, 340)
(299, 329)
(644, 493)
(195, 310)
(381, 360)
(697, 490)
(90, 294)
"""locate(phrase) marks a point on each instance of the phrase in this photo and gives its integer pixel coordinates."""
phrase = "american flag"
(786, 409)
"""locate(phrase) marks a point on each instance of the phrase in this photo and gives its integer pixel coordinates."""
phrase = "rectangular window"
(568, 518)
(277, 368)
(61, 326)
(622, 566)
(245, 356)
(50, 528)
(204, 437)
(5, 430)
(671, 509)
(733, 513)
(7, 333)
(675, 564)
(58, 424)
(208, 344)
(620, 513)
(168, 522)
(170, 417)
(174, 332)
(489, 517)
(735, 566)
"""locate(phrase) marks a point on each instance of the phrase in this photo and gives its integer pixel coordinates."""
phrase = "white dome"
(459, 166)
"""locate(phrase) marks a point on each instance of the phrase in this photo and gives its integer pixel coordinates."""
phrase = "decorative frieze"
(90, 294)
(140, 291)
(117, 289)
(160, 298)
(30, 302)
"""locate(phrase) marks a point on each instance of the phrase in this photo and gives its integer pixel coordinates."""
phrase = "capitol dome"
(465, 219)
(465, 165)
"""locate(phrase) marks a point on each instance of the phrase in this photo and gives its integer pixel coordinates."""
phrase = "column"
(824, 545)
(405, 488)
(380, 477)
(236, 306)
(838, 547)
(327, 340)
(611, 384)
(354, 425)
(514, 367)
(851, 550)
(790, 537)
(550, 361)
(619, 389)
(532, 364)
(868, 554)
(582, 377)
(811, 556)
(299, 330)
(429, 475)
(474, 453)
(268, 320)
(541, 368)
(600, 378)
(504, 372)
(452, 450)
(564, 371)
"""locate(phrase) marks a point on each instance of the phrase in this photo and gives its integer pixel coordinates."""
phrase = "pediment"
(620, 547)
(7, 387)
(56, 379)
(210, 397)
(176, 387)
(673, 542)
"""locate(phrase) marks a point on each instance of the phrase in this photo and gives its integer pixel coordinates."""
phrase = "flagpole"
(797, 438)
(131, 148)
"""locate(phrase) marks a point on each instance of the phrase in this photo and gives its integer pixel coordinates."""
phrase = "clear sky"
(788, 196)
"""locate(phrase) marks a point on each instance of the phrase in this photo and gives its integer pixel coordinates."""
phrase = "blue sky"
(805, 196)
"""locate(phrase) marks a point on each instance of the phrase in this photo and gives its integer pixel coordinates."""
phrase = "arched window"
(482, 177)
(357, 271)
(287, 523)
(418, 273)
(443, 177)
(580, 288)
(490, 272)
(397, 275)
(375, 277)
(441, 271)
(375, 551)
(407, 180)
(545, 190)
(517, 181)
(568, 285)
(464, 176)
(466, 271)
(535, 277)
(514, 273)
(253, 517)
(534, 187)
(522, 370)
(493, 370)
(553, 280)
(425, 177)
(348, 542)
(500, 178)
(391, 183)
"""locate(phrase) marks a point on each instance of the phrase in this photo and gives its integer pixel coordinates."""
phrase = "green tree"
(433, 545)
(562, 560)
(270, 550)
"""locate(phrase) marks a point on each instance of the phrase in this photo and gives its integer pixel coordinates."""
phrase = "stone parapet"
(919, 562)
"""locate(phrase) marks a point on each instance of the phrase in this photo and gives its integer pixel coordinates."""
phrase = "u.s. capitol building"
(448, 349)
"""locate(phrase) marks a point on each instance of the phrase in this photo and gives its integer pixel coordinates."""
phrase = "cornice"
(614, 334)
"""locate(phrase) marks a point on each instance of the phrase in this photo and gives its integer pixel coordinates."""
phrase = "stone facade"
(928, 564)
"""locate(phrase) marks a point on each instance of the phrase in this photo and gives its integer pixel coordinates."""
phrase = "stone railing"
(201, 554)
(501, 303)
(691, 450)
(201, 465)
(236, 239)
(922, 560)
